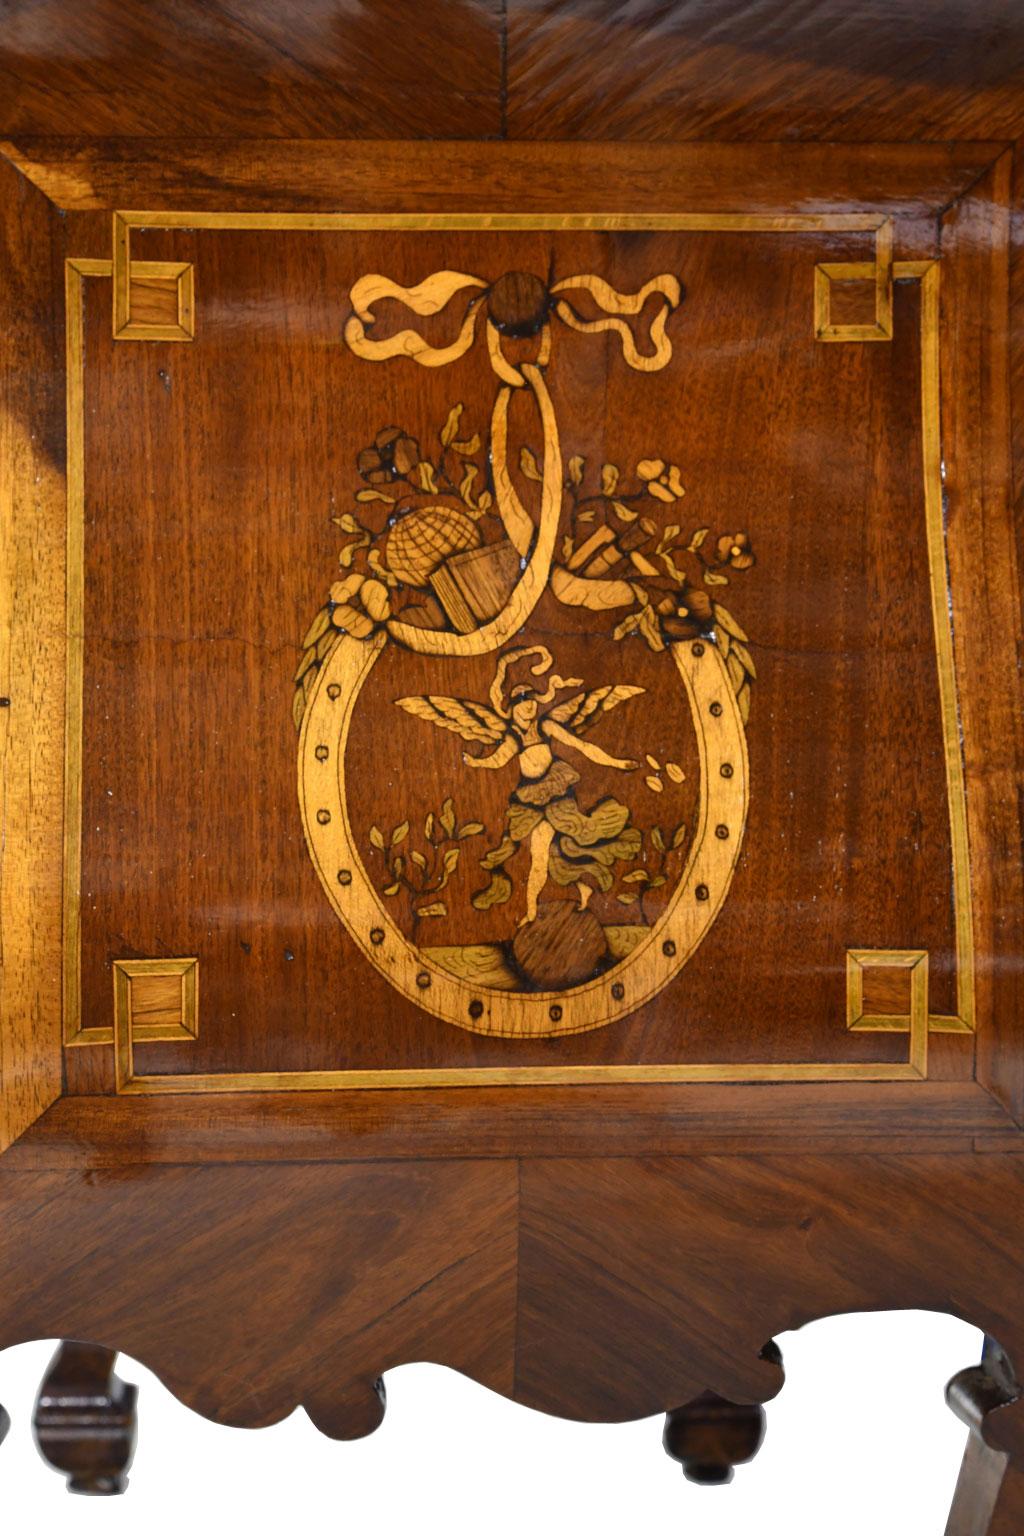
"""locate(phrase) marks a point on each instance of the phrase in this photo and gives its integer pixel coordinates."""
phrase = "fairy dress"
(586, 844)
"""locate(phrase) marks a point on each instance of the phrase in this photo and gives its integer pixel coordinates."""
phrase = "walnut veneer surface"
(625, 400)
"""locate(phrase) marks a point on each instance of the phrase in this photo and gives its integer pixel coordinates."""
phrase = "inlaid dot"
(668, 948)
(376, 935)
(323, 816)
(334, 690)
(423, 979)
(697, 648)
(476, 1008)
(722, 831)
(618, 991)
(715, 708)
(702, 893)
(344, 877)
(726, 770)
(322, 754)
(555, 1012)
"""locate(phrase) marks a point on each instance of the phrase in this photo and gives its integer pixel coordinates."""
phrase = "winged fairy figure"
(566, 844)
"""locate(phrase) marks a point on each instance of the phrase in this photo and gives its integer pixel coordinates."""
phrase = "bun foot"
(84, 1420)
(710, 1436)
(349, 1414)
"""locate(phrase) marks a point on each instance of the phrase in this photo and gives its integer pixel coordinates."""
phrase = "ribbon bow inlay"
(517, 306)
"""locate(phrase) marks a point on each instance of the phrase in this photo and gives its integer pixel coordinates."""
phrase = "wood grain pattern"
(592, 70)
(713, 1257)
(603, 1250)
(747, 69)
(680, 1120)
(31, 658)
(506, 1272)
(976, 426)
(307, 1289)
(396, 70)
(911, 181)
(126, 368)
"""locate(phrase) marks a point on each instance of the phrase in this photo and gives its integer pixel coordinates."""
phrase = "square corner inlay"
(156, 999)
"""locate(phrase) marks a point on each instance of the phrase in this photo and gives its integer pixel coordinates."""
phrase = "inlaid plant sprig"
(423, 875)
(656, 871)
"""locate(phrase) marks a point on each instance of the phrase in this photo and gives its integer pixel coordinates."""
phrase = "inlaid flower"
(359, 604)
(691, 614)
(661, 479)
(394, 455)
(734, 549)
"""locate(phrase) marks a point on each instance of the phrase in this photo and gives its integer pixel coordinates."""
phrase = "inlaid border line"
(76, 270)
(915, 1068)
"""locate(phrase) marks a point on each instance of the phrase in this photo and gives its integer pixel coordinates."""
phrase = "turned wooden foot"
(84, 1419)
(989, 1498)
(711, 1436)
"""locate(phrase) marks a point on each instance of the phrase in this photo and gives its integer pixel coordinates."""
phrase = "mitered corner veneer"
(511, 730)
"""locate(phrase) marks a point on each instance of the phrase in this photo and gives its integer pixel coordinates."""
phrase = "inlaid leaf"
(498, 891)
(745, 658)
(725, 619)
(736, 672)
(451, 426)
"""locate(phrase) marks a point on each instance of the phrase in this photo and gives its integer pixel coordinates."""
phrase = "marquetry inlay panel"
(502, 587)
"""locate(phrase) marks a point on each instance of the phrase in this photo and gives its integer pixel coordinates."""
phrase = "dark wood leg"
(989, 1498)
(84, 1419)
(711, 1436)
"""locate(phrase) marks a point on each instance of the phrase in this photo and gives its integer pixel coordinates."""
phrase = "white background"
(858, 1440)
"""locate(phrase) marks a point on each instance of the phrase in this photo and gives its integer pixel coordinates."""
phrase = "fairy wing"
(471, 721)
(584, 709)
